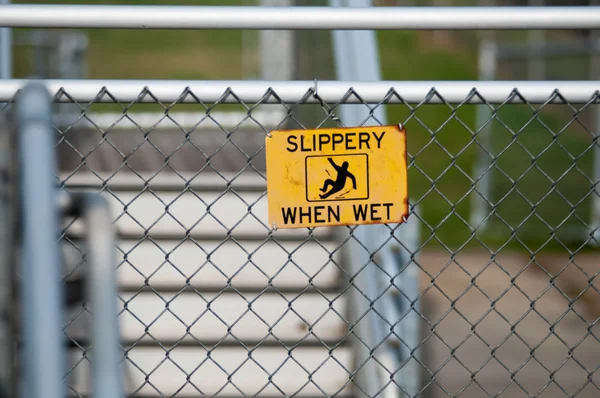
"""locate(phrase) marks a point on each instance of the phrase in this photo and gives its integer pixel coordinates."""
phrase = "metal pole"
(400, 304)
(357, 57)
(536, 38)
(7, 237)
(5, 50)
(595, 74)
(102, 288)
(102, 293)
(367, 327)
(292, 18)
(250, 68)
(276, 56)
(482, 172)
(41, 284)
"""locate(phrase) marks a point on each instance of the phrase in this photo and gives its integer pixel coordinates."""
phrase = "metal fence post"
(357, 58)
(368, 378)
(276, 48)
(41, 284)
(5, 50)
(535, 38)
(595, 201)
(482, 171)
(8, 242)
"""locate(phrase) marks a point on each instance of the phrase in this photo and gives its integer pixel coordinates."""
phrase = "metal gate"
(214, 302)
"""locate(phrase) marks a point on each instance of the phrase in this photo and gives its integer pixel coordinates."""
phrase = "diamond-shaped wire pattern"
(495, 296)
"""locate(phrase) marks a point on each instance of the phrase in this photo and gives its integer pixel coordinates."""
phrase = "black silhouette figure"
(340, 181)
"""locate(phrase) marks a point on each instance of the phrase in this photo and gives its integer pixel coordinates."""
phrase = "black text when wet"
(326, 214)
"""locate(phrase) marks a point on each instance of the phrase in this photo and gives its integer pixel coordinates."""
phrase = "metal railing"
(41, 286)
(287, 18)
(101, 290)
(41, 261)
(303, 92)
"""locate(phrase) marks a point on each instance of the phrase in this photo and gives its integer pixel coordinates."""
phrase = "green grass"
(549, 186)
(156, 54)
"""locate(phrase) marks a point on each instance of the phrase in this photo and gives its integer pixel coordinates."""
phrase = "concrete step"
(229, 371)
(218, 265)
(234, 317)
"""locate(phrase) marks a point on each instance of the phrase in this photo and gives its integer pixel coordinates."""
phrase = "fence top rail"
(298, 18)
(167, 92)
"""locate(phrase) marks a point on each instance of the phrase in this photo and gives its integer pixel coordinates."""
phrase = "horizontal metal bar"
(291, 92)
(296, 18)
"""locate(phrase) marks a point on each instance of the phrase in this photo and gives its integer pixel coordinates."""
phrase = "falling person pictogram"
(340, 180)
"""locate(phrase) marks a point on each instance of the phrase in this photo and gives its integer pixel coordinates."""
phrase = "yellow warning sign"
(342, 176)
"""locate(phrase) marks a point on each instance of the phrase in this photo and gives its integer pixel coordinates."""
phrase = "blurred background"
(542, 187)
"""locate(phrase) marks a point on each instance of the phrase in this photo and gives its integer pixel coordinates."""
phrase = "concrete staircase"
(212, 301)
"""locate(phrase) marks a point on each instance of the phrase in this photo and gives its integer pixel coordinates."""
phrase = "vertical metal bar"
(409, 284)
(7, 257)
(5, 50)
(594, 74)
(275, 50)
(41, 285)
(536, 39)
(7, 387)
(250, 69)
(102, 288)
(102, 291)
(276, 47)
(595, 206)
(481, 197)
(368, 330)
(357, 58)
(396, 306)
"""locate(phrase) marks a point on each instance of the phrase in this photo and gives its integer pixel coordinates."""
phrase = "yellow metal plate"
(343, 176)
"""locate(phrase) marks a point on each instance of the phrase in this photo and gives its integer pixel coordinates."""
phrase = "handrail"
(5, 50)
(41, 285)
(102, 290)
(296, 18)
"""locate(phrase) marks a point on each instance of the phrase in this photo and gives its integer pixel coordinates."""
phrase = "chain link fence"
(213, 302)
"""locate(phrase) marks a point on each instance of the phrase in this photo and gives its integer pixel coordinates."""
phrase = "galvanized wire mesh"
(215, 303)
